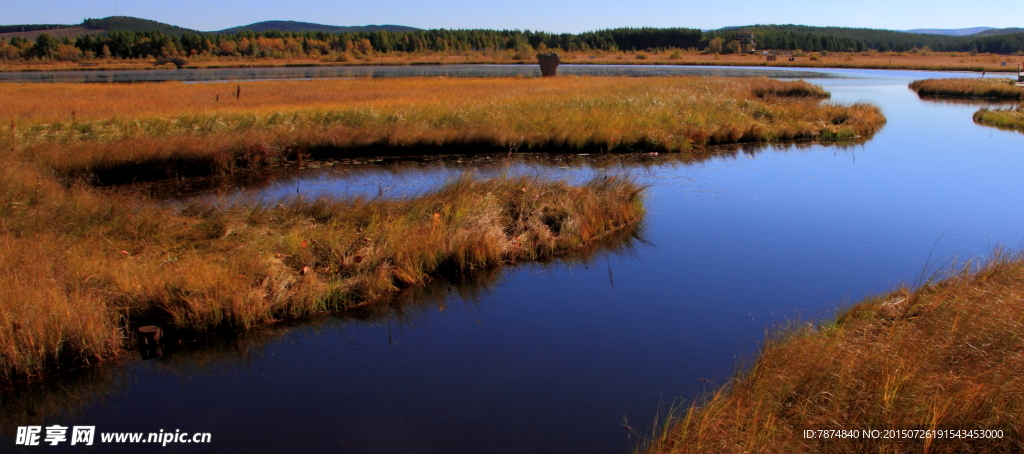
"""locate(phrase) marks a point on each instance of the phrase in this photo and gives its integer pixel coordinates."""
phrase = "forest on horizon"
(131, 43)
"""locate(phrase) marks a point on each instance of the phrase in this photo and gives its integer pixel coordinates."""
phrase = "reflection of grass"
(430, 166)
(211, 353)
(81, 267)
(1012, 119)
(946, 356)
(993, 88)
(41, 403)
(123, 132)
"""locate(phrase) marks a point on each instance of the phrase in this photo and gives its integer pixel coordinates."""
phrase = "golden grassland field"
(935, 61)
(147, 130)
(949, 355)
(83, 266)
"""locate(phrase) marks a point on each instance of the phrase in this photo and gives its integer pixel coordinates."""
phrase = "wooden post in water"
(150, 334)
(149, 341)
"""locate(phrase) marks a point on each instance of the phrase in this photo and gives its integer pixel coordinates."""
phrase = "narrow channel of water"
(566, 357)
(330, 72)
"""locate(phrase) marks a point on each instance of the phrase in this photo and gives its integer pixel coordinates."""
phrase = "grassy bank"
(151, 131)
(82, 267)
(1012, 118)
(946, 356)
(991, 88)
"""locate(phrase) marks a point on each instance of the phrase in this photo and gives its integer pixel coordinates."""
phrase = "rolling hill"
(999, 31)
(92, 26)
(293, 26)
(134, 24)
(949, 31)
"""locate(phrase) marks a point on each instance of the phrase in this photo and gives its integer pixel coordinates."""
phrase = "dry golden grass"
(947, 356)
(158, 130)
(995, 88)
(1012, 119)
(82, 268)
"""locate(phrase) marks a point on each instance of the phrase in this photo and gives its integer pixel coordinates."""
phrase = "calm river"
(576, 356)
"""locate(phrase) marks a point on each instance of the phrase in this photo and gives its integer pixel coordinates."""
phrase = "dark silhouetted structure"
(548, 64)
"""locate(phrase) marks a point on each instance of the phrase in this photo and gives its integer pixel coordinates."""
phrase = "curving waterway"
(575, 356)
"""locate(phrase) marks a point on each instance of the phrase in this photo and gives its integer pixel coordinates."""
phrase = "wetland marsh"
(575, 355)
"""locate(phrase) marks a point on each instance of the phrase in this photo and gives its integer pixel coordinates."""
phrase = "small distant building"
(747, 44)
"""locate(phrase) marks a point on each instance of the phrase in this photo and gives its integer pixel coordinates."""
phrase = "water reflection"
(968, 101)
(408, 176)
(182, 358)
(68, 395)
(331, 72)
(982, 103)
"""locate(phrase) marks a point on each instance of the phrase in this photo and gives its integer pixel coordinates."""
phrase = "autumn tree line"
(842, 39)
(516, 43)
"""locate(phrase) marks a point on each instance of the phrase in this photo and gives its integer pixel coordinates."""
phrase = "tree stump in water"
(150, 334)
(548, 64)
(149, 342)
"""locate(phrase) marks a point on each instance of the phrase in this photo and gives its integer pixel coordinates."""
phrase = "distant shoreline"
(932, 62)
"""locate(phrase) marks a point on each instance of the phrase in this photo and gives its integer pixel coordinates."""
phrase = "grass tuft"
(992, 88)
(1011, 119)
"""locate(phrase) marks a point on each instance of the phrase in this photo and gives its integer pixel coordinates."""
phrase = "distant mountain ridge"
(973, 31)
(134, 24)
(300, 27)
(999, 31)
(948, 31)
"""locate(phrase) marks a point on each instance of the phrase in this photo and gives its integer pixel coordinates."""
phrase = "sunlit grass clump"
(1012, 118)
(949, 355)
(991, 88)
(82, 268)
(156, 130)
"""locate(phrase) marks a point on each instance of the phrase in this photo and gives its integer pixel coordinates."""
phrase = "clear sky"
(546, 15)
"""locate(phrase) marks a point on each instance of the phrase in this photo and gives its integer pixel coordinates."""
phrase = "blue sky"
(547, 15)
